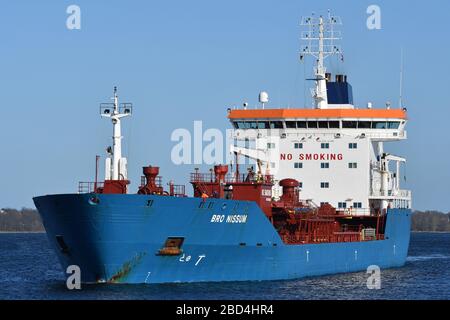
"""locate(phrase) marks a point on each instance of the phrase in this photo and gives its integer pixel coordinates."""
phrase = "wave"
(429, 257)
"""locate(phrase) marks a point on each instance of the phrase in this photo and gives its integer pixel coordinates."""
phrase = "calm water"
(30, 270)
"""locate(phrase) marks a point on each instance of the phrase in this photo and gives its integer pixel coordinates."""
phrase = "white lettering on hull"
(232, 218)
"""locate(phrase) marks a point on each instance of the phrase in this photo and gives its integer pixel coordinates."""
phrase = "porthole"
(93, 201)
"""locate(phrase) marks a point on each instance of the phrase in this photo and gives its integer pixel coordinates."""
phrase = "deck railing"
(89, 187)
(230, 178)
(158, 181)
(405, 194)
(177, 190)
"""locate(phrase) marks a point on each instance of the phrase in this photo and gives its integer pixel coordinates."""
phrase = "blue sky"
(180, 61)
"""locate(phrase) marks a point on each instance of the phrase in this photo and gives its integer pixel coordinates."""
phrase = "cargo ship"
(323, 196)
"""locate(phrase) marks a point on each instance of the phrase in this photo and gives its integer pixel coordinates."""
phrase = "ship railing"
(89, 187)
(197, 177)
(202, 177)
(358, 211)
(177, 190)
(396, 204)
(158, 181)
(403, 194)
(391, 135)
(340, 236)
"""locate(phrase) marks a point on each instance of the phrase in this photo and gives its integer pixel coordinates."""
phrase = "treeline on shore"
(430, 221)
(28, 220)
(25, 220)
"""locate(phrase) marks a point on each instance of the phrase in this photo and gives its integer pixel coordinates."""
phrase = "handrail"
(197, 177)
(392, 193)
(158, 181)
(89, 187)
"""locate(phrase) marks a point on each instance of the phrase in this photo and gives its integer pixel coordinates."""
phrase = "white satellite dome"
(263, 97)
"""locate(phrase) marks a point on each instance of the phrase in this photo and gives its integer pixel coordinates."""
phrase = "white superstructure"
(335, 150)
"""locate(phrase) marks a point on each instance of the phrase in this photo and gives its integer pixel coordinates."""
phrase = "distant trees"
(29, 220)
(20, 220)
(430, 221)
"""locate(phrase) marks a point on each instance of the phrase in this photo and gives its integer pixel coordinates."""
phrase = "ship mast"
(116, 165)
(320, 38)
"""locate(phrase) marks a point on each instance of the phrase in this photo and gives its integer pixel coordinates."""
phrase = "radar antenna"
(320, 37)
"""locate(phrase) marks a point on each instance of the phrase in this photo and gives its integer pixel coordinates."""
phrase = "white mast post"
(321, 30)
(117, 165)
(321, 86)
(117, 138)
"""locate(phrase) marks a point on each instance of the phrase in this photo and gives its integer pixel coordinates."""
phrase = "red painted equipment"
(220, 171)
(151, 187)
(114, 186)
(296, 221)
(290, 191)
(209, 185)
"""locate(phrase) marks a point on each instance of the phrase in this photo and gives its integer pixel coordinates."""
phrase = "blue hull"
(118, 238)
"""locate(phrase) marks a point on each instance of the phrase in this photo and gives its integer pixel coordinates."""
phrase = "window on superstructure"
(379, 125)
(298, 165)
(253, 125)
(298, 145)
(393, 125)
(324, 185)
(263, 125)
(364, 124)
(353, 165)
(323, 203)
(300, 184)
(291, 125)
(240, 125)
(245, 125)
(325, 165)
(342, 205)
(325, 145)
(236, 125)
(323, 124)
(301, 125)
(270, 145)
(353, 145)
(349, 124)
(357, 205)
(276, 124)
(312, 124)
(333, 124)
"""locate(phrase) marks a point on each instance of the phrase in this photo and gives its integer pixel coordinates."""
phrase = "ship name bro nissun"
(324, 197)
